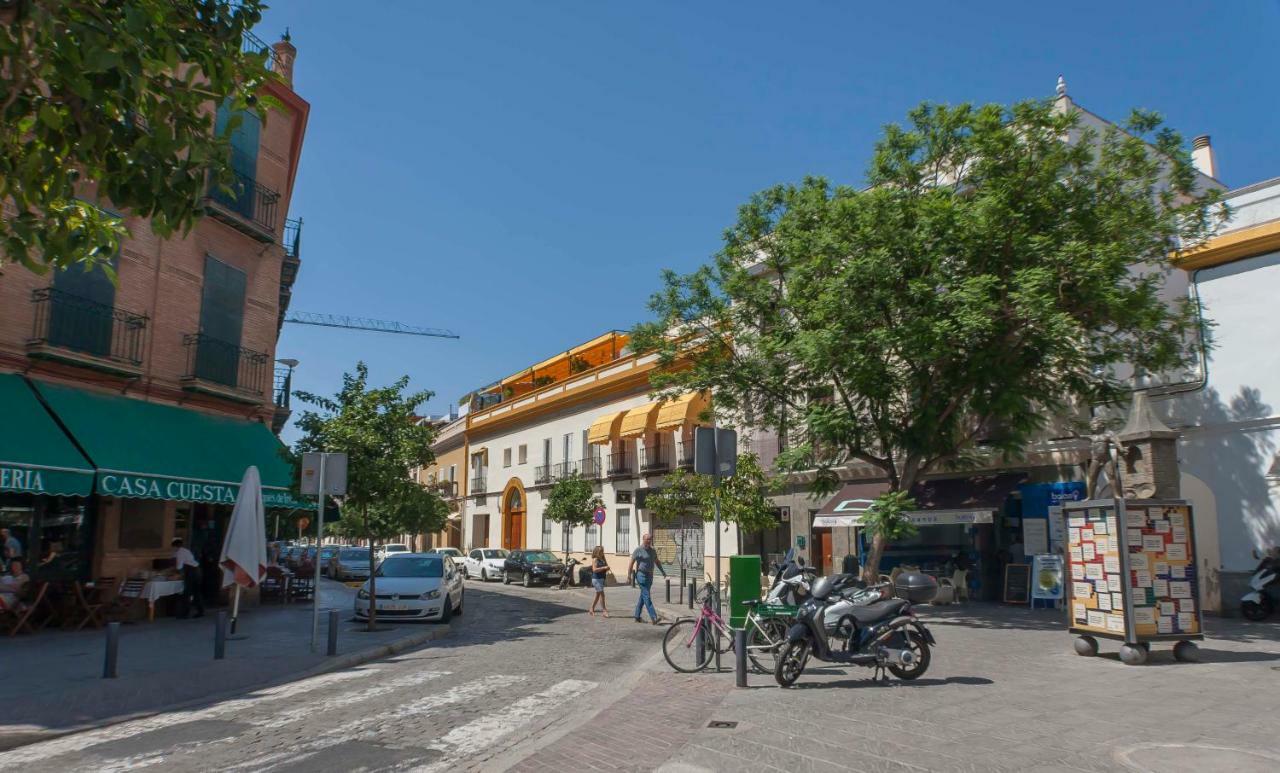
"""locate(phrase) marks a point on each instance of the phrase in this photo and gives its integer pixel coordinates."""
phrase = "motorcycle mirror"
(1256, 557)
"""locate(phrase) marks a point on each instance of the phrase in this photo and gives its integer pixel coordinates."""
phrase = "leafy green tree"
(573, 501)
(113, 101)
(376, 428)
(743, 497)
(990, 275)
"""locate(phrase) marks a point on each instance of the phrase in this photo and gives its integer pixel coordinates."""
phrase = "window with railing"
(593, 537)
(281, 385)
(249, 199)
(566, 470)
(593, 466)
(542, 474)
(623, 530)
(566, 537)
(685, 448)
(546, 534)
(478, 487)
(68, 321)
(220, 362)
(291, 240)
(620, 462)
(653, 456)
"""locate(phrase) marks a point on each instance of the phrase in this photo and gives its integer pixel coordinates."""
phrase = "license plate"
(394, 607)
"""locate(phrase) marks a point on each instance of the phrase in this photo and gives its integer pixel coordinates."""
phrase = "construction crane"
(362, 323)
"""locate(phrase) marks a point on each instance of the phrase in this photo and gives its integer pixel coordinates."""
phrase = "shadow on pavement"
(973, 681)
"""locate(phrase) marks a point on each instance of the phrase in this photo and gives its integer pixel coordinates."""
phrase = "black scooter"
(567, 578)
(882, 635)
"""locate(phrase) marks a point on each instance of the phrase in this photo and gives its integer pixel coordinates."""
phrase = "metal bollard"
(220, 637)
(740, 652)
(702, 645)
(109, 670)
(668, 590)
(691, 594)
(333, 632)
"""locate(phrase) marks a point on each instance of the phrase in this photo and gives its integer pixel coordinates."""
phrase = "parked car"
(453, 553)
(326, 553)
(391, 550)
(293, 557)
(414, 586)
(531, 566)
(485, 563)
(349, 564)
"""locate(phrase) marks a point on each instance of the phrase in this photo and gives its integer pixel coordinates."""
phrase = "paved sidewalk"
(53, 681)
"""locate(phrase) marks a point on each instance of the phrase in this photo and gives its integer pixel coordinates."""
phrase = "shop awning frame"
(676, 414)
(639, 421)
(604, 429)
(36, 456)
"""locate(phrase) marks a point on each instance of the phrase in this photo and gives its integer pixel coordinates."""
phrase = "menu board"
(1096, 579)
(1162, 570)
(1017, 584)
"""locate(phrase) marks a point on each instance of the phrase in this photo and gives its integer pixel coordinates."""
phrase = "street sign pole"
(315, 590)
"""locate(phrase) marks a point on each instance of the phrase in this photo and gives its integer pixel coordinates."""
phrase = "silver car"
(414, 586)
(349, 564)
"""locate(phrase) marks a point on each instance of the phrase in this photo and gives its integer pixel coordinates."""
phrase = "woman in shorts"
(599, 569)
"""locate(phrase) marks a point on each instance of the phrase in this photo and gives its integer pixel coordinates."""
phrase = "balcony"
(620, 464)
(246, 205)
(653, 460)
(224, 369)
(566, 470)
(82, 332)
(252, 44)
(478, 488)
(592, 467)
(542, 474)
(686, 454)
(281, 387)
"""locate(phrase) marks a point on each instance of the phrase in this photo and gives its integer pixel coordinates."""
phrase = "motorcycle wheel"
(1255, 611)
(791, 663)
(680, 649)
(920, 647)
(763, 644)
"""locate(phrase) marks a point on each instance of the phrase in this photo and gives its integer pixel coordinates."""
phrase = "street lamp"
(284, 386)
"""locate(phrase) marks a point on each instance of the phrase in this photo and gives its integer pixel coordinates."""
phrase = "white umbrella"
(244, 553)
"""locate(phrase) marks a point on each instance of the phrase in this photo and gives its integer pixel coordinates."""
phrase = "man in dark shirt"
(643, 561)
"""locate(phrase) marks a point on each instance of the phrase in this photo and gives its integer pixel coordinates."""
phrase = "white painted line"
(482, 733)
(346, 699)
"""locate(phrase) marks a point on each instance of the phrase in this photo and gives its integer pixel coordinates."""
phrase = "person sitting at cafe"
(11, 584)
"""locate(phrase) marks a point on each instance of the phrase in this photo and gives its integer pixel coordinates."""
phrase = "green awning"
(36, 456)
(145, 450)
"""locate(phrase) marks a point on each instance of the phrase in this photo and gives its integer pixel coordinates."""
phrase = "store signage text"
(151, 488)
(15, 479)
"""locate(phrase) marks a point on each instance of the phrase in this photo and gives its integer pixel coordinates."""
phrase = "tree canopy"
(573, 501)
(743, 497)
(990, 276)
(113, 102)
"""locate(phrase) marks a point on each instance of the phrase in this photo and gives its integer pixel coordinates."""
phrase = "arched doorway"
(513, 515)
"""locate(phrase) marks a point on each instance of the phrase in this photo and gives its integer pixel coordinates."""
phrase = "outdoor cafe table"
(152, 590)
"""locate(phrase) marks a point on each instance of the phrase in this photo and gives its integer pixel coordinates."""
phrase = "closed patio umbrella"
(244, 553)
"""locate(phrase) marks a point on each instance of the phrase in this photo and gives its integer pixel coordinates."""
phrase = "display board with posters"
(1131, 575)
(1046, 577)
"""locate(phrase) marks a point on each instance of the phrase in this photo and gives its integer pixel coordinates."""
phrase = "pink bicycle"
(691, 643)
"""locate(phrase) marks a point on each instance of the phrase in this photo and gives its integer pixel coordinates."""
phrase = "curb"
(10, 741)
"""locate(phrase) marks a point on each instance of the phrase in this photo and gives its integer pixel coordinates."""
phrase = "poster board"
(1017, 584)
(1125, 563)
(1035, 536)
(1057, 530)
(1046, 576)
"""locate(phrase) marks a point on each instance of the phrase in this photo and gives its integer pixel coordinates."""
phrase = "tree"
(113, 101)
(572, 501)
(743, 497)
(990, 276)
(375, 428)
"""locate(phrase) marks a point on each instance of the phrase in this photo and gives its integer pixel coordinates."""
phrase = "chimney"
(285, 53)
(1202, 156)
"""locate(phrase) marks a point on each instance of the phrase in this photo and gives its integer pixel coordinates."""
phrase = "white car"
(485, 563)
(391, 550)
(414, 586)
(453, 553)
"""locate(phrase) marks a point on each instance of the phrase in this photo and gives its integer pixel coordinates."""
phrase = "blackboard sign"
(1017, 584)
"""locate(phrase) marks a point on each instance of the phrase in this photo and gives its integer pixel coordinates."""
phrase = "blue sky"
(521, 172)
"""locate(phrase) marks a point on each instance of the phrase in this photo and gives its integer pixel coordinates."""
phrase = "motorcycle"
(882, 634)
(1264, 586)
(567, 577)
(791, 581)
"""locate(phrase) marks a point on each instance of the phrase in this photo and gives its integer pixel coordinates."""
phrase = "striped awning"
(605, 428)
(639, 421)
(682, 411)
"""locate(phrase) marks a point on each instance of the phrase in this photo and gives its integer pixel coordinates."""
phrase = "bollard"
(333, 632)
(220, 636)
(740, 653)
(668, 590)
(109, 670)
(702, 645)
(691, 594)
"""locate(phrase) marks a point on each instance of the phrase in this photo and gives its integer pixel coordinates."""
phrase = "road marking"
(347, 699)
(482, 733)
(70, 744)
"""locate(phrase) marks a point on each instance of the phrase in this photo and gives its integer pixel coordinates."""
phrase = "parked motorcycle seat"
(881, 610)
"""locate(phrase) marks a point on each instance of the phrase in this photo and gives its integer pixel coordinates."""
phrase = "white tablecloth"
(154, 589)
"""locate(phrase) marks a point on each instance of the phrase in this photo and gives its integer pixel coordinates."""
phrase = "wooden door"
(513, 530)
(822, 551)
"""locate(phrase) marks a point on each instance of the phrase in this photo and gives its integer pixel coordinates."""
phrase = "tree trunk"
(871, 572)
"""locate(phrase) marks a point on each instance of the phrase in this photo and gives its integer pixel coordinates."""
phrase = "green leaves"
(743, 497)
(572, 500)
(114, 100)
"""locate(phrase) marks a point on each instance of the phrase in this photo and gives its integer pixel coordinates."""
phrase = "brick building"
(142, 402)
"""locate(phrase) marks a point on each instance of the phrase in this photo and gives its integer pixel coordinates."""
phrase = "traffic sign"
(599, 516)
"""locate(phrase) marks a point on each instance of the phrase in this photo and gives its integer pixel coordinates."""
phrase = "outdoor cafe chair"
(89, 607)
(21, 616)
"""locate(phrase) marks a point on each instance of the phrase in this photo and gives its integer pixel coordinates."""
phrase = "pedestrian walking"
(644, 560)
(599, 570)
(192, 594)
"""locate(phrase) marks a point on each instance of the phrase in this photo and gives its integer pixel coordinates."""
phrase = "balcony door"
(82, 309)
(244, 156)
(221, 323)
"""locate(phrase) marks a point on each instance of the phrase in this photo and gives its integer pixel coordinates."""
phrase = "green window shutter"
(221, 322)
(82, 309)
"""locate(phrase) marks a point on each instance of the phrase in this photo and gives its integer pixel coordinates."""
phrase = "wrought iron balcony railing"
(478, 488)
(69, 322)
(281, 386)
(654, 459)
(565, 470)
(541, 474)
(592, 467)
(249, 199)
(620, 463)
(291, 239)
(226, 364)
(252, 44)
(686, 454)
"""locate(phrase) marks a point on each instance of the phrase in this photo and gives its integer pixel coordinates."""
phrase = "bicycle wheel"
(764, 640)
(680, 647)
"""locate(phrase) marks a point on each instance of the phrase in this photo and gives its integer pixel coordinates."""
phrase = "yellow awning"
(681, 411)
(605, 428)
(638, 421)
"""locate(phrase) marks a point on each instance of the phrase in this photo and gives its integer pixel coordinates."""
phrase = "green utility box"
(744, 585)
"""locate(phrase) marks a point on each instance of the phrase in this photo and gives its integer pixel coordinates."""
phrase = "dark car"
(531, 566)
(327, 552)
